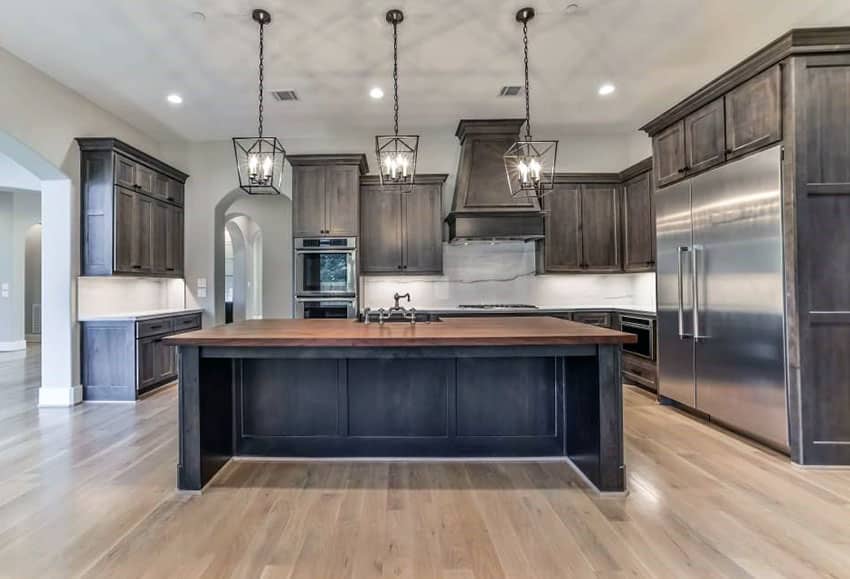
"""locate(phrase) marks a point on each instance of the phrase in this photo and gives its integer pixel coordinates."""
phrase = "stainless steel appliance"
(721, 344)
(644, 329)
(325, 308)
(326, 267)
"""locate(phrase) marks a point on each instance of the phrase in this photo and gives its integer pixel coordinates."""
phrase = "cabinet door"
(601, 319)
(668, 154)
(308, 193)
(125, 172)
(165, 361)
(141, 233)
(124, 201)
(175, 192)
(638, 224)
(705, 137)
(754, 113)
(174, 248)
(342, 201)
(423, 230)
(380, 231)
(159, 238)
(145, 180)
(600, 230)
(160, 186)
(562, 243)
(146, 362)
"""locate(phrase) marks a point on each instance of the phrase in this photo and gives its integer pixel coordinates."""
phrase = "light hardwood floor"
(90, 492)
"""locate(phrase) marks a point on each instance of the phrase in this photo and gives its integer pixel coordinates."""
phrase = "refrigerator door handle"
(681, 250)
(695, 268)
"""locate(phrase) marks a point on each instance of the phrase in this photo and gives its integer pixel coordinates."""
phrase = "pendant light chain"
(395, 77)
(527, 98)
(260, 119)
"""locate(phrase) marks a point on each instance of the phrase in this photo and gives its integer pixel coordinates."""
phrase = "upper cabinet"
(132, 215)
(326, 194)
(745, 118)
(754, 113)
(402, 232)
(639, 220)
(582, 228)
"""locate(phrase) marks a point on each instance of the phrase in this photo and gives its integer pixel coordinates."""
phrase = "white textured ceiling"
(126, 55)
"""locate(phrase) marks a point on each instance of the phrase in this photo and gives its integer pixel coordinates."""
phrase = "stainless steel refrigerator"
(721, 343)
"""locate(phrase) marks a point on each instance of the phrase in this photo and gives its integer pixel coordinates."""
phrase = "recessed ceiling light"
(175, 99)
(571, 8)
(198, 16)
(376, 93)
(606, 89)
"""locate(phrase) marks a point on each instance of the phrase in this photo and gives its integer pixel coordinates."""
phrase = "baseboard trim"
(13, 346)
(59, 397)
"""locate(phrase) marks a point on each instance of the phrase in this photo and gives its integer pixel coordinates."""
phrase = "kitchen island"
(469, 388)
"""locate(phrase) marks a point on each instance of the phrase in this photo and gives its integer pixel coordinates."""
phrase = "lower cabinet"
(124, 358)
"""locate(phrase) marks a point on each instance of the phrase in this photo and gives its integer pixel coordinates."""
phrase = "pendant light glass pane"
(259, 164)
(530, 168)
(396, 155)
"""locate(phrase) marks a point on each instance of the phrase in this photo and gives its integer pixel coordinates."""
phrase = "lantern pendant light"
(259, 160)
(529, 163)
(396, 153)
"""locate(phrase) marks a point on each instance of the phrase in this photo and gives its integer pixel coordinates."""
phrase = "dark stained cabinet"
(754, 113)
(124, 358)
(326, 194)
(380, 231)
(705, 137)
(132, 218)
(562, 244)
(638, 224)
(582, 229)
(600, 227)
(402, 232)
(668, 151)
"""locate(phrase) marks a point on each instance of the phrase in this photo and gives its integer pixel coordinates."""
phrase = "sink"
(396, 318)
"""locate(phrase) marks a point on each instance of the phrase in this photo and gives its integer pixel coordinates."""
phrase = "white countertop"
(141, 315)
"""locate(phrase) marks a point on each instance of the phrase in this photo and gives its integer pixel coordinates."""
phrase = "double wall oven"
(326, 277)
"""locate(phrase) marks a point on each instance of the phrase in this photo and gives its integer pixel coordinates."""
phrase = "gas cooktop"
(497, 307)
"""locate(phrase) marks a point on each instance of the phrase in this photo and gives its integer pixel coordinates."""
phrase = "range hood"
(483, 208)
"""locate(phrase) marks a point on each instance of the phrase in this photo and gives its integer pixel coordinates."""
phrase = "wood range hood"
(483, 208)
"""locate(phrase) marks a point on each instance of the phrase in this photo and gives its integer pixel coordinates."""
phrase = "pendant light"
(396, 153)
(530, 164)
(259, 160)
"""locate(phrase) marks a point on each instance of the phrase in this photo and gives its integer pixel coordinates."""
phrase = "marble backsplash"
(504, 272)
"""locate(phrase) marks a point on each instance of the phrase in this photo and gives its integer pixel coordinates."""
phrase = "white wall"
(39, 119)
(19, 210)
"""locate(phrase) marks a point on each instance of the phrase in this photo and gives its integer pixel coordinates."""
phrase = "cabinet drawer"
(154, 327)
(593, 318)
(640, 370)
(187, 323)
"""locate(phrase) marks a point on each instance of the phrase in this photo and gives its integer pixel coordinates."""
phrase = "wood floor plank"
(90, 492)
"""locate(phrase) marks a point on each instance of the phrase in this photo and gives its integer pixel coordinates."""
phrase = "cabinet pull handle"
(137, 267)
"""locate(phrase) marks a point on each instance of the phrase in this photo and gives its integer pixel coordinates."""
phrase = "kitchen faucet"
(408, 314)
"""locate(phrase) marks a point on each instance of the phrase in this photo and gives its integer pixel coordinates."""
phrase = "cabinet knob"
(399, 267)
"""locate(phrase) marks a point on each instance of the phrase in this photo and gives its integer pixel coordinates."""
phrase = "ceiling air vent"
(509, 91)
(285, 95)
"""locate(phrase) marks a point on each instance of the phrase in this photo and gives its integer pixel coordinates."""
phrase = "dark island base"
(402, 402)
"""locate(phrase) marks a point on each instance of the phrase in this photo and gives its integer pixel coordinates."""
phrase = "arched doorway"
(242, 268)
(60, 365)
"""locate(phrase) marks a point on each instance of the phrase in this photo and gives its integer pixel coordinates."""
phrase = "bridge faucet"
(397, 297)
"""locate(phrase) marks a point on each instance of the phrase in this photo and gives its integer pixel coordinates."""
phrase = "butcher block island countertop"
(493, 331)
(494, 388)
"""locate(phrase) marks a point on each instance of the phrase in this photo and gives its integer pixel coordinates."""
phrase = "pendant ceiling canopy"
(396, 154)
(530, 163)
(259, 160)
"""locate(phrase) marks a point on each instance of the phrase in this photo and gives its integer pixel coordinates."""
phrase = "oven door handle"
(645, 328)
